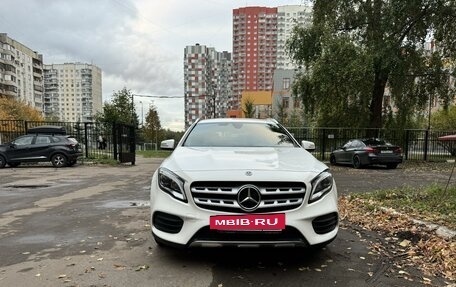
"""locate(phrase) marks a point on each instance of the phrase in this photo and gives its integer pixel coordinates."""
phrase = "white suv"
(242, 182)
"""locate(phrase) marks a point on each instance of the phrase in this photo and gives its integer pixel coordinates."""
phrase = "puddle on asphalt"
(127, 204)
(30, 186)
(40, 238)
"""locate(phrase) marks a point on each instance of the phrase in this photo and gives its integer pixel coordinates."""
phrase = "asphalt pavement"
(88, 225)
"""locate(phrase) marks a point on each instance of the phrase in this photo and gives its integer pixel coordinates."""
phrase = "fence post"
(114, 140)
(406, 147)
(86, 140)
(323, 145)
(426, 144)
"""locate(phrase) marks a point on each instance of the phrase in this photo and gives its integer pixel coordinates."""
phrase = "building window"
(285, 103)
(286, 83)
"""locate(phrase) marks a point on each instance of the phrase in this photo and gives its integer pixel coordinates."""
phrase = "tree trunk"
(377, 99)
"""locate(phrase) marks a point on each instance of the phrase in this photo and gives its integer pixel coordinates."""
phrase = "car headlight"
(172, 184)
(321, 185)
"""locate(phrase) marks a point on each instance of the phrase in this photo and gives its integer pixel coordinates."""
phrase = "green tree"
(152, 125)
(444, 119)
(249, 108)
(295, 119)
(281, 112)
(120, 110)
(355, 49)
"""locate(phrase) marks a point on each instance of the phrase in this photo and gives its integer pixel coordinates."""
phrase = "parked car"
(364, 152)
(242, 182)
(41, 145)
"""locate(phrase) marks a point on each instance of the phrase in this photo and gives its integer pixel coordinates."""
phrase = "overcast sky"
(138, 44)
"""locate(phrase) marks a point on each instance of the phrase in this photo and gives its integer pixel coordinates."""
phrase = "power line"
(159, 97)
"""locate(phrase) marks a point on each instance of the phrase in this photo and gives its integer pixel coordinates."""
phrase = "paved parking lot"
(89, 226)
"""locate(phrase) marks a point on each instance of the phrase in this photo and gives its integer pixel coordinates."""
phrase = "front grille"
(325, 223)
(167, 222)
(222, 196)
(289, 234)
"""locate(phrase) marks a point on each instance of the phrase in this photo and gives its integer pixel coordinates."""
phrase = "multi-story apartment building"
(72, 91)
(287, 18)
(259, 45)
(21, 72)
(207, 84)
(254, 50)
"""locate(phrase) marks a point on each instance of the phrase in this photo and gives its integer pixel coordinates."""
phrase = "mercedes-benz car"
(245, 183)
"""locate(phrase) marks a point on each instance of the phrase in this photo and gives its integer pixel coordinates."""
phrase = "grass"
(102, 159)
(154, 153)
(430, 203)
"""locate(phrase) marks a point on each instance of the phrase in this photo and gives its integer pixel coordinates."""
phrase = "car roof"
(238, 120)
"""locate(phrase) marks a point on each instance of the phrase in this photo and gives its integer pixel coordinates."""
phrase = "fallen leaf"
(405, 243)
(142, 267)
(62, 276)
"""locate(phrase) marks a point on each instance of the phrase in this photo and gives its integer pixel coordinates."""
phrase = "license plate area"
(248, 222)
(386, 151)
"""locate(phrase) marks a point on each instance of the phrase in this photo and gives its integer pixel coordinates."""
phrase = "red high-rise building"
(254, 50)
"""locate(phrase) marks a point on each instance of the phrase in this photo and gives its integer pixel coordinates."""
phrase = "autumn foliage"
(11, 109)
(406, 242)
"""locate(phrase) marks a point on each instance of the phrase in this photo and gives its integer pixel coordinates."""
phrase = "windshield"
(238, 134)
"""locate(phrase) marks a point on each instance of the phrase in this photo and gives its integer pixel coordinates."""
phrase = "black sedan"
(364, 152)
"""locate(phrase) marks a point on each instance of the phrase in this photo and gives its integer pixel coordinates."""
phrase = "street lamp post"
(142, 113)
(132, 109)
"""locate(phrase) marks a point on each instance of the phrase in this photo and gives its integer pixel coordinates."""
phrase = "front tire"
(332, 160)
(59, 160)
(357, 162)
(14, 164)
(2, 162)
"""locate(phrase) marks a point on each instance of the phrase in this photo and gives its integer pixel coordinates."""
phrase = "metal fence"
(88, 135)
(416, 144)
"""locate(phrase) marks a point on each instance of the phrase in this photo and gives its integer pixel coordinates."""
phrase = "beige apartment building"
(72, 92)
(21, 72)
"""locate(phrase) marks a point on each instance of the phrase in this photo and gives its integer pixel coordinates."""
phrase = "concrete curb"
(440, 230)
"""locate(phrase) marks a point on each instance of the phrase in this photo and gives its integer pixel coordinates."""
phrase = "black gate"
(124, 143)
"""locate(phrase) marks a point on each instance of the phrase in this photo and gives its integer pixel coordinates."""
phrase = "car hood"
(187, 159)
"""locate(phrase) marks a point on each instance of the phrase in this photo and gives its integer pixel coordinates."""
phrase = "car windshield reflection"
(238, 135)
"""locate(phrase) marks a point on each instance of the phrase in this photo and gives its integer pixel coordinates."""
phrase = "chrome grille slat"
(223, 196)
(212, 190)
(219, 202)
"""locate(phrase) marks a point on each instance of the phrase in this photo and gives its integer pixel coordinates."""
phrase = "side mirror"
(167, 144)
(308, 146)
(12, 145)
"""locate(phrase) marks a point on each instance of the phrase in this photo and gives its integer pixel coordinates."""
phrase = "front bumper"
(184, 224)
